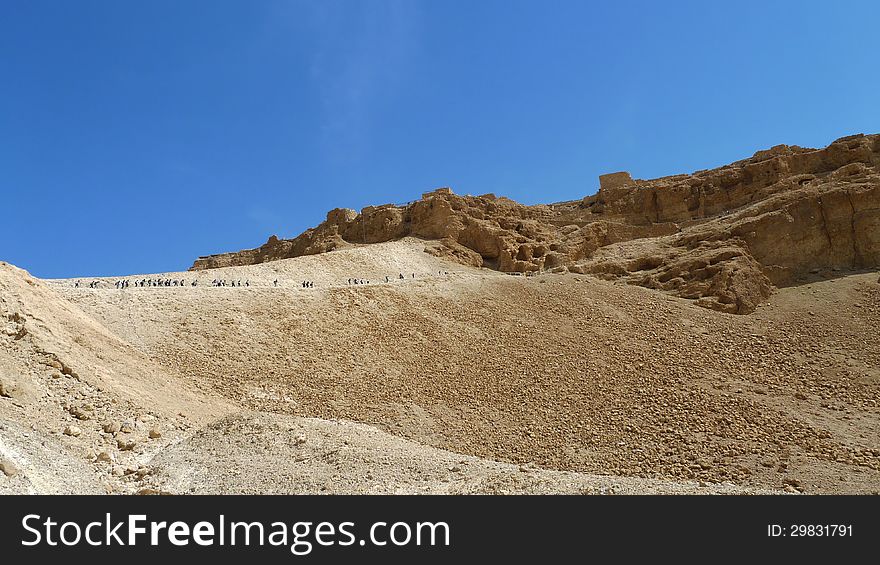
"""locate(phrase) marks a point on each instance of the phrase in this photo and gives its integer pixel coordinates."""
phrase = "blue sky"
(135, 136)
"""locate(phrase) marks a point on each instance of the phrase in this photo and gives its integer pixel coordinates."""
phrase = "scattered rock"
(112, 427)
(104, 457)
(13, 388)
(126, 427)
(73, 431)
(299, 439)
(16, 330)
(8, 468)
(155, 433)
(5, 387)
(125, 444)
(151, 491)
(83, 412)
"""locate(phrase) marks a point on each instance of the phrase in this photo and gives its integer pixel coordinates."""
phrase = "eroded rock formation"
(723, 237)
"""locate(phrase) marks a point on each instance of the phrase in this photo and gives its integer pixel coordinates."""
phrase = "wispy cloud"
(361, 57)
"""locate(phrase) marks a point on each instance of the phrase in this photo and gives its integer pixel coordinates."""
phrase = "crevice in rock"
(857, 257)
(825, 227)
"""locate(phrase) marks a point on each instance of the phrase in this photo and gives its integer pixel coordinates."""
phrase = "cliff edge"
(723, 237)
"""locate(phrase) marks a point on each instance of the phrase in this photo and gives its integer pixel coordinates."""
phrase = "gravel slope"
(564, 372)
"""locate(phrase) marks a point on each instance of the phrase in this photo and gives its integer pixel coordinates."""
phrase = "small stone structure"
(611, 181)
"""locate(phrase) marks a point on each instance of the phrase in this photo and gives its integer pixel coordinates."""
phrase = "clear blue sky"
(135, 136)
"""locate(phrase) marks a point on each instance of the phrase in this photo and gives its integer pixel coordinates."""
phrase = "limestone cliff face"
(722, 237)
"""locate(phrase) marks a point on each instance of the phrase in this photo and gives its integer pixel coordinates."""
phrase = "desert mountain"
(600, 372)
(723, 237)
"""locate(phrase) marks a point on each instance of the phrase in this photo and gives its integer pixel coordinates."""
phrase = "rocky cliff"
(723, 237)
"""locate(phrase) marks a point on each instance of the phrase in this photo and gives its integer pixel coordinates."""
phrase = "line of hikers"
(143, 283)
(154, 282)
(125, 283)
(222, 282)
(387, 279)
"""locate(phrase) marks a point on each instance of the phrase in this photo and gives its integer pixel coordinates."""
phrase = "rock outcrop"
(723, 237)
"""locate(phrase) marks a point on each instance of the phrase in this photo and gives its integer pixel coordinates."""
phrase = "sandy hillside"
(85, 408)
(704, 332)
(461, 379)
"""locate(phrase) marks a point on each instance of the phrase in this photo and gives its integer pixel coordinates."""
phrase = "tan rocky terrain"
(722, 237)
(95, 396)
(598, 373)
